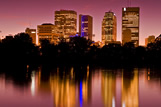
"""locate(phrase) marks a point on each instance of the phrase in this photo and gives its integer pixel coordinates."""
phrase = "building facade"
(86, 26)
(109, 28)
(32, 33)
(48, 31)
(150, 39)
(66, 21)
(130, 25)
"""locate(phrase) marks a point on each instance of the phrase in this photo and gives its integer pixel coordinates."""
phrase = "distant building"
(66, 21)
(130, 21)
(150, 39)
(109, 28)
(48, 31)
(32, 33)
(86, 26)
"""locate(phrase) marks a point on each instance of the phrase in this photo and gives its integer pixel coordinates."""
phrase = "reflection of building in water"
(35, 81)
(130, 89)
(2, 82)
(85, 89)
(109, 88)
(64, 91)
(153, 78)
(85, 92)
(63, 87)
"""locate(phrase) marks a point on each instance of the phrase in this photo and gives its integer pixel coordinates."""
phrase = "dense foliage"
(78, 50)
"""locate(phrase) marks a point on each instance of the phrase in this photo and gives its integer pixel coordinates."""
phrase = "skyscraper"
(48, 31)
(66, 21)
(86, 26)
(32, 33)
(109, 27)
(130, 24)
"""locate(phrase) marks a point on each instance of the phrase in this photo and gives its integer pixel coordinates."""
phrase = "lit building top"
(86, 26)
(130, 21)
(32, 33)
(66, 21)
(109, 27)
(48, 31)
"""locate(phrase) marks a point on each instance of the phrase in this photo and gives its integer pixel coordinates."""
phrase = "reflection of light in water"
(130, 90)
(88, 68)
(2, 82)
(123, 105)
(27, 68)
(33, 83)
(87, 74)
(57, 69)
(72, 72)
(81, 94)
(113, 102)
(63, 92)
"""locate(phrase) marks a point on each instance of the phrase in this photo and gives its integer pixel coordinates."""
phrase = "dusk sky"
(16, 15)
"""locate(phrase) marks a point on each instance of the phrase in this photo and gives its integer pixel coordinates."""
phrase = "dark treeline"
(19, 49)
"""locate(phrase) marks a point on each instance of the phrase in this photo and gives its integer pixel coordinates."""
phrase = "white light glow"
(33, 84)
(33, 32)
(113, 102)
(124, 9)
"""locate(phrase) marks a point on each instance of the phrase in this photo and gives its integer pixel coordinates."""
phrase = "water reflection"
(130, 88)
(81, 86)
(63, 90)
(109, 88)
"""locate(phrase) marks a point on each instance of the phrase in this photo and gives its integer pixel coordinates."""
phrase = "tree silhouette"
(19, 49)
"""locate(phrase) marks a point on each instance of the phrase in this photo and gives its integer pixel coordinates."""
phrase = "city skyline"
(17, 16)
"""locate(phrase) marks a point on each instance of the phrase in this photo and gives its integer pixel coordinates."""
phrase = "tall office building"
(32, 33)
(86, 26)
(109, 27)
(130, 25)
(66, 21)
(150, 39)
(48, 31)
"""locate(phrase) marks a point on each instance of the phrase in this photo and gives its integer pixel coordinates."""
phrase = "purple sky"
(16, 15)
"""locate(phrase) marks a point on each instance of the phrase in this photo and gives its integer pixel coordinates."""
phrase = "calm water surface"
(81, 87)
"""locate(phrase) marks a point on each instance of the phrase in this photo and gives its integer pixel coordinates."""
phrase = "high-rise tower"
(86, 26)
(66, 21)
(109, 27)
(130, 25)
